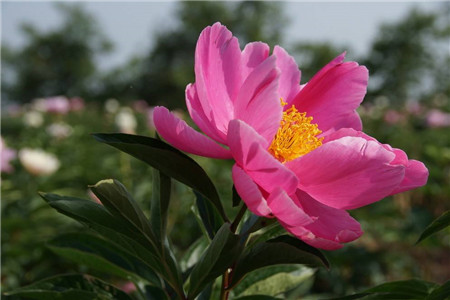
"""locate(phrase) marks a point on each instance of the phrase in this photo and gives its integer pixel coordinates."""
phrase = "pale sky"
(130, 25)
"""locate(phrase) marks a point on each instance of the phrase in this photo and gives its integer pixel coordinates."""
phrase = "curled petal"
(286, 210)
(333, 94)
(182, 136)
(217, 73)
(252, 55)
(289, 77)
(348, 173)
(249, 151)
(416, 173)
(250, 193)
(205, 123)
(258, 102)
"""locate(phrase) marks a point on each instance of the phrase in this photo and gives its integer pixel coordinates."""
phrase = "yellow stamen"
(296, 135)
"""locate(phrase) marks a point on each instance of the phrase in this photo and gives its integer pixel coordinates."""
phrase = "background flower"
(38, 162)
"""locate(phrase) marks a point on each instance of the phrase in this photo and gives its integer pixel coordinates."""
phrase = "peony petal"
(250, 193)
(258, 103)
(329, 223)
(416, 175)
(348, 173)
(333, 94)
(253, 54)
(249, 151)
(197, 114)
(217, 73)
(286, 210)
(182, 136)
(290, 75)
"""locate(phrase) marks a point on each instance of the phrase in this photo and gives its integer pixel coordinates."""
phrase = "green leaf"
(70, 287)
(407, 289)
(218, 257)
(439, 224)
(168, 160)
(97, 217)
(102, 255)
(211, 220)
(119, 202)
(193, 253)
(262, 275)
(94, 215)
(441, 292)
(276, 280)
(160, 204)
(281, 250)
(257, 297)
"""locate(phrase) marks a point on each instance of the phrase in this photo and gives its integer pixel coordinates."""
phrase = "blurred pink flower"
(57, 104)
(76, 104)
(393, 117)
(300, 154)
(150, 123)
(7, 155)
(59, 130)
(14, 110)
(414, 108)
(140, 106)
(437, 118)
(128, 287)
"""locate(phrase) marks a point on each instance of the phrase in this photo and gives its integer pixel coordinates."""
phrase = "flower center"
(295, 137)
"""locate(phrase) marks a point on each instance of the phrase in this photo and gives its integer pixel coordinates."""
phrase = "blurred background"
(71, 69)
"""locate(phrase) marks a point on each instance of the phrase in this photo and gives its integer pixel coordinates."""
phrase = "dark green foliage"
(437, 225)
(69, 287)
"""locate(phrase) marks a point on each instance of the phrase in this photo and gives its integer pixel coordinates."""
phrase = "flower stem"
(223, 291)
(238, 218)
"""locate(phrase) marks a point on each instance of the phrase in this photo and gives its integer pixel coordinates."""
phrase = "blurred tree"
(61, 61)
(406, 60)
(312, 56)
(162, 75)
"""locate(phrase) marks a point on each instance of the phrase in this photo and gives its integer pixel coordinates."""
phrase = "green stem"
(238, 218)
(226, 275)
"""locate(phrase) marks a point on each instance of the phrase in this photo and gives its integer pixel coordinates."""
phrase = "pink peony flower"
(76, 104)
(437, 118)
(57, 104)
(140, 106)
(393, 117)
(299, 151)
(7, 155)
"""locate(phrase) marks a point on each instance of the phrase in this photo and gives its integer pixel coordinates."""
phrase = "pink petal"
(217, 73)
(333, 94)
(329, 223)
(290, 75)
(253, 54)
(348, 173)
(250, 193)
(182, 136)
(416, 175)
(197, 113)
(249, 151)
(330, 227)
(258, 102)
(286, 210)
